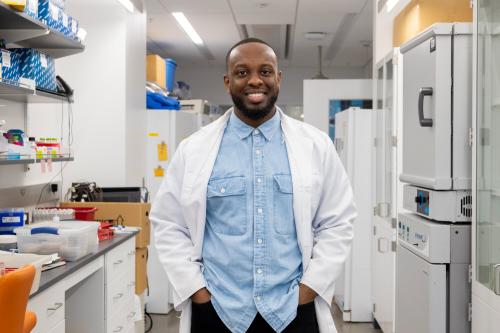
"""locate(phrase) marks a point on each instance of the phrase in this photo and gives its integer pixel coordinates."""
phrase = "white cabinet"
(486, 170)
(49, 308)
(119, 288)
(353, 143)
(386, 189)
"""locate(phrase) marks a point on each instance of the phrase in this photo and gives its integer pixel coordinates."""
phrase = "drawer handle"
(424, 122)
(131, 315)
(132, 253)
(56, 306)
(118, 296)
(118, 329)
(119, 262)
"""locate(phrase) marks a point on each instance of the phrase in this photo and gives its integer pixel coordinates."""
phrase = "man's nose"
(255, 79)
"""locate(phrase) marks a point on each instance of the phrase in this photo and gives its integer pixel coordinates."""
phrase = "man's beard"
(254, 114)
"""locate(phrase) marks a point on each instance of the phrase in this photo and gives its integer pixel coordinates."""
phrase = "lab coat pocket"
(226, 205)
(284, 223)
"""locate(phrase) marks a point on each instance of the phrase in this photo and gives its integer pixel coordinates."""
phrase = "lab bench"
(93, 294)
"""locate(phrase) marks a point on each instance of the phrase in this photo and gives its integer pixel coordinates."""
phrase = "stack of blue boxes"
(51, 13)
(38, 67)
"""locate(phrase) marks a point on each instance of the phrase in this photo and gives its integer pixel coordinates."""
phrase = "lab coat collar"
(268, 129)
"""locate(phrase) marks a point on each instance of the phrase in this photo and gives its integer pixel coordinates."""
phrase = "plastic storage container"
(72, 240)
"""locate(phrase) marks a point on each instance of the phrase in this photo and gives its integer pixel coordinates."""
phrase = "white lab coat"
(322, 203)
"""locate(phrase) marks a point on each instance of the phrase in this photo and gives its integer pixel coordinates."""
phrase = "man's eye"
(266, 72)
(241, 73)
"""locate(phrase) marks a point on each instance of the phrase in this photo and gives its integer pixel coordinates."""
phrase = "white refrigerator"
(353, 141)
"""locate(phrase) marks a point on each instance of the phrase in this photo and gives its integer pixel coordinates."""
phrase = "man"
(253, 221)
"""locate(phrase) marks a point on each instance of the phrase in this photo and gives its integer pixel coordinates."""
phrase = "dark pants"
(205, 320)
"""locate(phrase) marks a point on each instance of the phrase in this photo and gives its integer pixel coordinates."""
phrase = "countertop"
(52, 276)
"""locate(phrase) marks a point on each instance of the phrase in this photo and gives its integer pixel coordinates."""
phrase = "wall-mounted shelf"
(24, 161)
(22, 30)
(19, 93)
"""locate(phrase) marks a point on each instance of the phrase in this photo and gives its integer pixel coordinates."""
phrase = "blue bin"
(171, 66)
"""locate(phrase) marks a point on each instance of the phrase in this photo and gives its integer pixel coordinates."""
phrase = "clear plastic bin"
(72, 240)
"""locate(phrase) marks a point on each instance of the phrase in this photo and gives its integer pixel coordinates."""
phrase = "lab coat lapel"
(300, 150)
(199, 166)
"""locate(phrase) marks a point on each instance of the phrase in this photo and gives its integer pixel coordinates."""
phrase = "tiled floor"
(170, 324)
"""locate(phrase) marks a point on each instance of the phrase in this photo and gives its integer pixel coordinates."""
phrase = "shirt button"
(259, 180)
(257, 151)
(259, 241)
(259, 271)
(222, 190)
(256, 132)
(260, 211)
(258, 298)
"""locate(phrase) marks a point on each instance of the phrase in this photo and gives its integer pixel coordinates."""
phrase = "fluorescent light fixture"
(391, 4)
(187, 27)
(127, 4)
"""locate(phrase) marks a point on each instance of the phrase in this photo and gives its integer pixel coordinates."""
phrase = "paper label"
(43, 60)
(11, 219)
(74, 27)
(65, 20)
(54, 11)
(33, 6)
(6, 59)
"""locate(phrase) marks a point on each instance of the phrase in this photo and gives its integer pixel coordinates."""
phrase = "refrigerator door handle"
(424, 122)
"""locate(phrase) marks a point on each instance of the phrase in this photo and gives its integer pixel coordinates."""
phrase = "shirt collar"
(268, 129)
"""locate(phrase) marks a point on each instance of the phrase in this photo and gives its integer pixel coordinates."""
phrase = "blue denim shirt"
(252, 261)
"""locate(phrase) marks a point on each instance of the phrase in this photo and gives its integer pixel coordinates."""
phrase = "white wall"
(383, 29)
(207, 82)
(318, 93)
(109, 120)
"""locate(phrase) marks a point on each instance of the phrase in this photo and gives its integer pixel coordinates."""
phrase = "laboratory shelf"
(23, 161)
(22, 30)
(18, 93)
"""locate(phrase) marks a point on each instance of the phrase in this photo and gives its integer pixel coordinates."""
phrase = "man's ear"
(227, 83)
(280, 73)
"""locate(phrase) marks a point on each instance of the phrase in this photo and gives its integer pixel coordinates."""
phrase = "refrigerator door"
(436, 108)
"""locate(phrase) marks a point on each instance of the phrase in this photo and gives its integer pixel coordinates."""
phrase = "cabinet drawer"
(49, 309)
(60, 328)
(123, 320)
(116, 295)
(117, 260)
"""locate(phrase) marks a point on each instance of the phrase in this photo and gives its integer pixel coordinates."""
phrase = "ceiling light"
(127, 4)
(187, 27)
(391, 4)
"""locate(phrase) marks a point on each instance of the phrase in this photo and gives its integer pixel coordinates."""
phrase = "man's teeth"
(256, 94)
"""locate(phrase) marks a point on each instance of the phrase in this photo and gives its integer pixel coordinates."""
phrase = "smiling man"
(253, 220)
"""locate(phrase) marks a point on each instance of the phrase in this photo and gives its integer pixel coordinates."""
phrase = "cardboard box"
(130, 214)
(418, 15)
(141, 275)
(10, 66)
(50, 14)
(156, 70)
(38, 67)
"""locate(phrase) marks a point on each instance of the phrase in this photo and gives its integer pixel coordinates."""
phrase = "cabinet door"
(427, 114)
(486, 222)
(383, 263)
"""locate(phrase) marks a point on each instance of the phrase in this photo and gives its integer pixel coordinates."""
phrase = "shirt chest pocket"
(227, 205)
(284, 223)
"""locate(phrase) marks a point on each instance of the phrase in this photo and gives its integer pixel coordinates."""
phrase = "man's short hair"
(246, 41)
